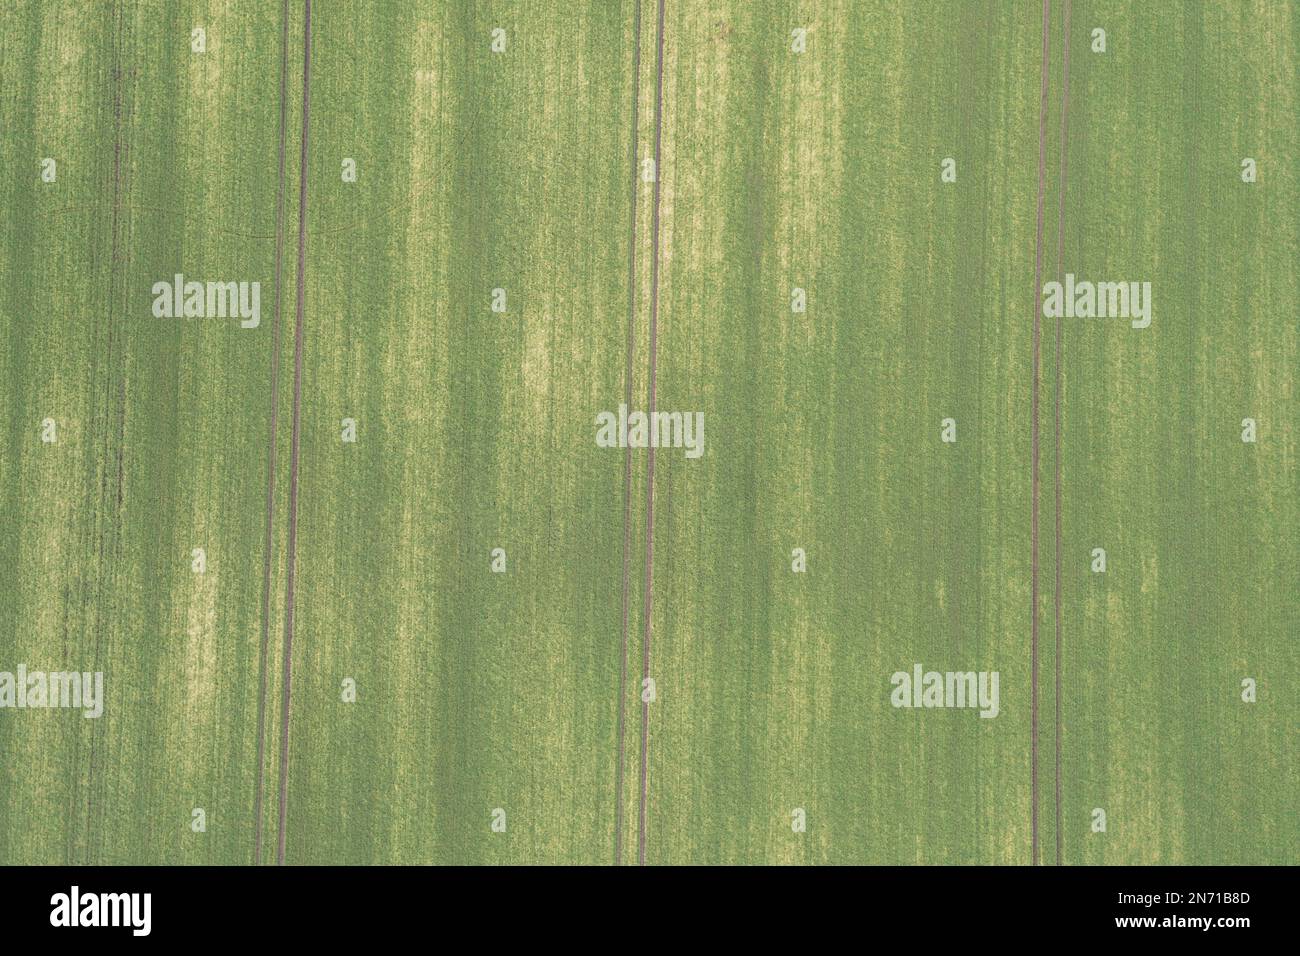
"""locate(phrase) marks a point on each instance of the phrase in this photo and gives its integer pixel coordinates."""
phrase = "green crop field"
(326, 335)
